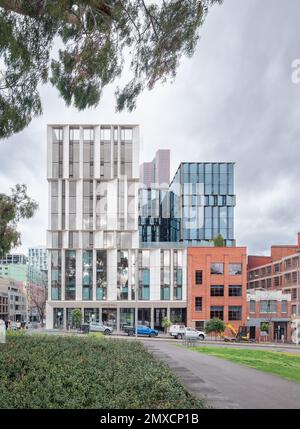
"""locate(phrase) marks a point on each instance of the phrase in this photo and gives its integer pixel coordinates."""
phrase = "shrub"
(78, 372)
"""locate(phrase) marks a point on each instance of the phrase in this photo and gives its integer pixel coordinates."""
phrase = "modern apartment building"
(279, 271)
(94, 259)
(37, 258)
(156, 174)
(217, 285)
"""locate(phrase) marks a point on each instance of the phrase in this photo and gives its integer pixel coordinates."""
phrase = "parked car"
(141, 330)
(180, 331)
(177, 331)
(99, 327)
(193, 333)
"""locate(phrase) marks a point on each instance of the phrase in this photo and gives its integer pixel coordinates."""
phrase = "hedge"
(47, 371)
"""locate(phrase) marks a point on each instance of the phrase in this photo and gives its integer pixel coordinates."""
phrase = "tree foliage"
(76, 316)
(216, 326)
(95, 37)
(14, 208)
(219, 241)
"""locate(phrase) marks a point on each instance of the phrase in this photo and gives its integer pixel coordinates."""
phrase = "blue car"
(141, 330)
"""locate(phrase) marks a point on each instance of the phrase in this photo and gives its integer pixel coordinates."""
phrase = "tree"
(13, 208)
(96, 36)
(37, 297)
(219, 241)
(166, 323)
(216, 326)
(76, 317)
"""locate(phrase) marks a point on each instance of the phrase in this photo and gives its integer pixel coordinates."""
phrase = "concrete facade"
(94, 258)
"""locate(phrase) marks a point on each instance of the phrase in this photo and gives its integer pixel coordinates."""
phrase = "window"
(122, 275)
(288, 264)
(283, 306)
(235, 290)
(252, 306)
(217, 268)
(234, 312)
(198, 303)
(198, 277)
(268, 307)
(101, 274)
(216, 290)
(277, 268)
(235, 269)
(217, 312)
(294, 294)
(276, 281)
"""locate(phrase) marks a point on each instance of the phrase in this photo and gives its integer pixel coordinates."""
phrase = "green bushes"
(61, 372)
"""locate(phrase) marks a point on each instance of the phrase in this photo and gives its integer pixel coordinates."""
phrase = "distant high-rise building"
(17, 258)
(37, 258)
(157, 172)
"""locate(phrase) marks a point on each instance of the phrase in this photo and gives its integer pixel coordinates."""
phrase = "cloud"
(233, 101)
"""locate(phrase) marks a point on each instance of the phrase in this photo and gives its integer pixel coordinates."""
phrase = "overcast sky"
(233, 101)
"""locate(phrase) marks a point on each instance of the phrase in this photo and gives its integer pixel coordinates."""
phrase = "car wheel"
(179, 336)
(107, 332)
(201, 337)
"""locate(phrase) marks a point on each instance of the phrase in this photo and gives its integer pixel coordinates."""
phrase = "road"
(224, 384)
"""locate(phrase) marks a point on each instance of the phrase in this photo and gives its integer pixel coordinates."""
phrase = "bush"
(96, 335)
(47, 371)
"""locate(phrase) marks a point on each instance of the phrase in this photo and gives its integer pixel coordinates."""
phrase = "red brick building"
(271, 308)
(279, 271)
(217, 285)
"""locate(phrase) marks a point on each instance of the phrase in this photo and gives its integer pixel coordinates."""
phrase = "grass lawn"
(43, 371)
(285, 365)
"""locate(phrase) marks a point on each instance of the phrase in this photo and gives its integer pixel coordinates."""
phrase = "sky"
(235, 100)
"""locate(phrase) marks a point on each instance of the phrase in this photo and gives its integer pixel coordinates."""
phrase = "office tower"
(202, 203)
(156, 174)
(94, 258)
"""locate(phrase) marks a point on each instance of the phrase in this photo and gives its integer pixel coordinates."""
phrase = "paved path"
(225, 384)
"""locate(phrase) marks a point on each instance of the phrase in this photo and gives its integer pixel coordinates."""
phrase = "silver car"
(98, 327)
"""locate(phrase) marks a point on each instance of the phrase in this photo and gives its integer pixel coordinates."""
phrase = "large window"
(144, 284)
(198, 277)
(55, 275)
(235, 269)
(198, 303)
(216, 290)
(268, 306)
(217, 312)
(234, 312)
(101, 275)
(122, 275)
(165, 274)
(87, 275)
(70, 278)
(217, 268)
(235, 290)
(252, 306)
